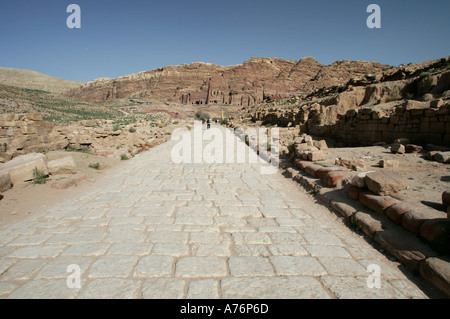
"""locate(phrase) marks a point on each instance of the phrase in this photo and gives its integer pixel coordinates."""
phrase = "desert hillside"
(35, 80)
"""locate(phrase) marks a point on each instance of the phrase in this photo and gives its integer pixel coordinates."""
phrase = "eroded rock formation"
(247, 84)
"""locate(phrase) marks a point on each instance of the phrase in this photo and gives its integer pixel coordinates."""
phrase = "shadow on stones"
(445, 178)
(437, 206)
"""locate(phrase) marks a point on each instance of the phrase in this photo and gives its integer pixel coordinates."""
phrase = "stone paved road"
(155, 229)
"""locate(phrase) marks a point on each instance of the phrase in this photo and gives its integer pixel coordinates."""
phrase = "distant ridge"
(250, 83)
(34, 80)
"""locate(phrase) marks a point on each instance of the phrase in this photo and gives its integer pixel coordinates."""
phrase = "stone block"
(21, 168)
(378, 204)
(385, 183)
(436, 270)
(354, 192)
(64, 165)
(5, 181)
(434, 228)
(389, 163)
(368, 224)
(442, 157)
(398, 149)
(313, 169)
(446, 198)
(410, 250)
(411, 148)
(335, 178)
(414, 219)
(396, 211)
(316, 156)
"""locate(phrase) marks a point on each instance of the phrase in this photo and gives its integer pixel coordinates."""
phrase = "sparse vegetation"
(124, 157)
(200, 115)
(39, 177)
(95, 166)
(132, 129)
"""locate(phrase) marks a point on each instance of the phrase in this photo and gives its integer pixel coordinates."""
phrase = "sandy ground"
(24, 199)
(427, 180)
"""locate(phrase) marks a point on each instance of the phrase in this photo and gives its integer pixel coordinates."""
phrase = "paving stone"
(47, 251)
(90, 249)
(273, 288)
(44, 289)
(57, 268)
(250, 266)
(342, 266)
(154, 266)
(6, 288)
(300, 266)
(251, 250)
(132, 249)
(240, 211)
(163, 288)
(211, 250)
(113, 266)
(189, 267)
(357, 288)
(251, 238)
(23, 270)
(203, 289)
(106, 288)
(168, 237)
(170, 249)
(127, 236)
(326, 251)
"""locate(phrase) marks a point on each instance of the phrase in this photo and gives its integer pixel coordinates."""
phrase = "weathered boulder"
(321, 145)
(335, 178)
(434, 228)
(396, 211)
(402, 140)
(437, 271)
(5, 181)
(442, 157)
(356, 165)
(405, 246)
(414, 219)
(379, 204)
(368, 224)
(446, 198)
(388, 163)
(354, 192)
(316, 156)
(385, 183)
(359, 180)
(64, 165)
(411, 148)
(398, 149)
(21, 168)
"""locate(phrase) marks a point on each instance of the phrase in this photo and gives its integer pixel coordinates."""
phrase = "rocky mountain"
(250, 83)
(35, 80)
(411, 101)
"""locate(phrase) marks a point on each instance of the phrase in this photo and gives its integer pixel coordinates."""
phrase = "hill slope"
(34, 80)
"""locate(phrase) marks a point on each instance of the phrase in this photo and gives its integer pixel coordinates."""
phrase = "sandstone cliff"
(250, 83)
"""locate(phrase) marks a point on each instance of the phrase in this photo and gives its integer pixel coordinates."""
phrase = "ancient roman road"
(152, 228)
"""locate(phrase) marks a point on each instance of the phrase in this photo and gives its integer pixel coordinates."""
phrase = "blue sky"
(123, 37)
